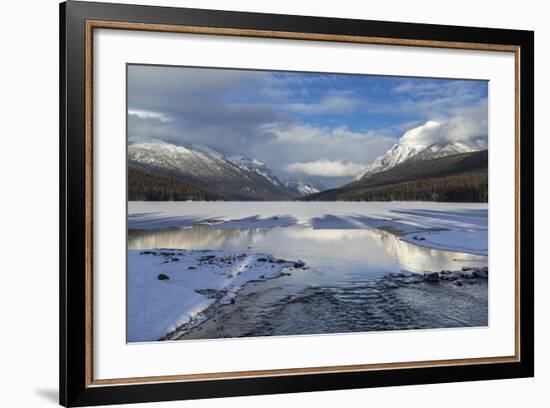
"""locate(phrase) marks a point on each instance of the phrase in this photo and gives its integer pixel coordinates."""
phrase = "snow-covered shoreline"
(169, 288)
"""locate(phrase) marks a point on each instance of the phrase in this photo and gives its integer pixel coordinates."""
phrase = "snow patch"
(168, 288)
(469, 241)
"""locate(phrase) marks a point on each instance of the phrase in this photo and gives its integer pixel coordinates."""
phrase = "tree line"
(466, 187)
(144, 186)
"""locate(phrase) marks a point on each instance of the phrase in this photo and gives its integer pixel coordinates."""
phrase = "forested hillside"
(457, 178)
(143, 186)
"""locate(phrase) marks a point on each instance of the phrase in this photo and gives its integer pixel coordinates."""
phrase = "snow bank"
(169, 288)
(471, 242)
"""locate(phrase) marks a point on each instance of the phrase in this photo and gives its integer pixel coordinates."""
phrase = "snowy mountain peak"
(303, 186)
(255, 166)
(415, 144)
(245, 161)
(235, 178)
(151, 152)
(414, 137)
(436, 150)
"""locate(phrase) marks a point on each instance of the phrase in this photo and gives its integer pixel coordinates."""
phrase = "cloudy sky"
(324, 126)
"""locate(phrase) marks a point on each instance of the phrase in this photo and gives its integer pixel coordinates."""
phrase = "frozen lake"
(348, 249)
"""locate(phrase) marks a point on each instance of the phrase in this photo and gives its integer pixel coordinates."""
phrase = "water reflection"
(350, 253)
(195, 237)
(337, 292)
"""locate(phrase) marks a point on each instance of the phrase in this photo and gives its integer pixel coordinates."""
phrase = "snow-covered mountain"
(453, 178)
(304, 186)
(246, 179)
(412, 146)
(256, 166)
(437, 150)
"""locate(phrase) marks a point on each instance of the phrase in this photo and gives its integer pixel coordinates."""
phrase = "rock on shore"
(467, 275)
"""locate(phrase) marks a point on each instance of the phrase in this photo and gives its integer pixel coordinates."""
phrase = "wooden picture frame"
(78, 20)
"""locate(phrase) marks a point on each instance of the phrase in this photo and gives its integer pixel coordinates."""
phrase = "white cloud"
(305, 143)
(303, 133)
(469, 126)
(424, 88)
(143, 114)
(327, 168)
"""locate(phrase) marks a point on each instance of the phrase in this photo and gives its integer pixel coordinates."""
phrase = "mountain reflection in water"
(364, 251)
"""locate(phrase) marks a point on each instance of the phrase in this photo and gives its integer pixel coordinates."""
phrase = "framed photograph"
(256, 203)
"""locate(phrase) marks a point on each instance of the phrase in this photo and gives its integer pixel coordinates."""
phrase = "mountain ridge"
(413, 146)
(460, 177)
(304, 186)
(208, 169)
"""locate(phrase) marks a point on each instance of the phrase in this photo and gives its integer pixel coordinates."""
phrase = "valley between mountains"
(409, 171)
